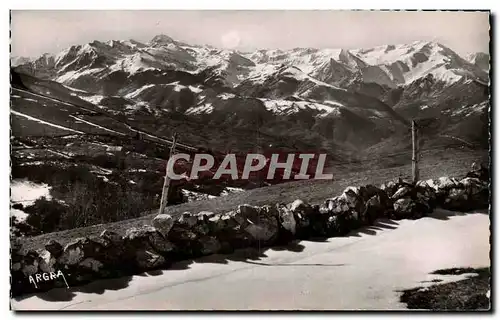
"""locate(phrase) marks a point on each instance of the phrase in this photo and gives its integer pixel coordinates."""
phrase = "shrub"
(44, 215)
(18, 206)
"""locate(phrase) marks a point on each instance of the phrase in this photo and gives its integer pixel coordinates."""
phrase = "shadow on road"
(96, 287)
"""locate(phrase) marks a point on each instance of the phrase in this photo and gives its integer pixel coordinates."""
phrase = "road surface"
(362, 271)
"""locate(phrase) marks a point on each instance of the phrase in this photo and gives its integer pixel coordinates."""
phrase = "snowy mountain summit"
(388, 65)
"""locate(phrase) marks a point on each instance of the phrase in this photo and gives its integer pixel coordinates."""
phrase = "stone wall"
(193, 235)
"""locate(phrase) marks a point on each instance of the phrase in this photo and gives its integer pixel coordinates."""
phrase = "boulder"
(161, 244)
(112, 249)
(47, 261)
(111, 237)
(402, 192)
(334, 206)
(260, 223)
(349, 211)
(408, 208)
(188, 230)
(228, 231)
(209, 245)
(480, 173)
(378, 205)
(16, 266)
(474, 185)
(91, 264)
(478, 191)
(181, 234)
(147, 260)
(286, 219)
(187, 220)
(303, 215)
(375, 208)
(457, 199)
(340, 225)
(443, 184)
(352, 197)
(199, 223)
(30, 263)
(148, 238)
(426, 195)
(55, 248)
(392, 186)
(163, 223)
(139, 234)
(73, 252)
(350, 202)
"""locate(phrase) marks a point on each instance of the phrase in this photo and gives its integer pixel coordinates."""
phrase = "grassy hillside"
(447, 163)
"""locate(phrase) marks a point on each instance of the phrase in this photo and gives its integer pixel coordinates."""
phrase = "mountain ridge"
(183, 56)
(385, 85)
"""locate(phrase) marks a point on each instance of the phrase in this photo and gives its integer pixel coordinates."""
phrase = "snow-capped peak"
(161, 39)
(480, 59)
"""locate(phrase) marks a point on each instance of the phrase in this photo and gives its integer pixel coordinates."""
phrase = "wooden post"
(166, 183)
(415, 151)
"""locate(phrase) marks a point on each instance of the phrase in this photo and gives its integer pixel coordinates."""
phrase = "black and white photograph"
(250, 160)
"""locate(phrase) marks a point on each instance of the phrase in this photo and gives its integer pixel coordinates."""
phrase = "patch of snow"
(335, 103)
(138, 91)
(104, 178)
(102, 171)
(177, 87)
(73, 136)
(95, 125)
(73, 89)
(130, 64)
(204, 108)
(286, 107)
(95, 99)
(231, 190)
(27, 192)
(467, 110)
(196, 196)
(43, 97)
(226, 96)
(32, 163)
(195, 89)
(114, 148)
(73, 75)
(20, 215)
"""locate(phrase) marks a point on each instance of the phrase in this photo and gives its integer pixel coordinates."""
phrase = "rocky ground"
(472, 293)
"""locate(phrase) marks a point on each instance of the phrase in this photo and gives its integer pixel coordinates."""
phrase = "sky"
(36, 32)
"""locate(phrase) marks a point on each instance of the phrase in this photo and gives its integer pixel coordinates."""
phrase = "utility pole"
(166, 183)
(415, 151)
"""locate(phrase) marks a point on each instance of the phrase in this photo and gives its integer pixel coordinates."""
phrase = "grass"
(313, 191)
(468, 294)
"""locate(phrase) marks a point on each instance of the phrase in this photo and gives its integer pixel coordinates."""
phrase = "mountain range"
(95, 121)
